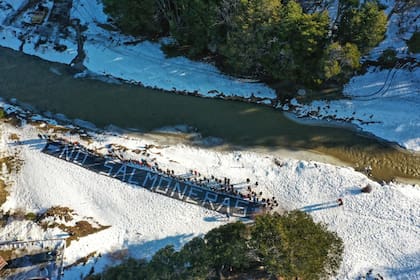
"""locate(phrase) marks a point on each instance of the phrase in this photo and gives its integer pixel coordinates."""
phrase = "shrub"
(388, 59)
(414, 43)
(30, 216)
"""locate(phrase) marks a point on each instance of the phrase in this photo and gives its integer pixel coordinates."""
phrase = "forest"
(271, 40)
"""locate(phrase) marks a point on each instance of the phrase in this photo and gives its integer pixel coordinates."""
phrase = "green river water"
(51, 87)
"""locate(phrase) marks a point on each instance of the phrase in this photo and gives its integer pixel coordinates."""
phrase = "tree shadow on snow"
(143, 250)
(148, 248)
(409, 267)
(34, 144)
(215, 218)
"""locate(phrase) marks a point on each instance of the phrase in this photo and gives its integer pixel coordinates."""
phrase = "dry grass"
(82, 261)
(7, 255)
(13, 121)
(18, 214)
(81, 229)
(63, 213)
(13, 163)
(87, 138)
(3, 192)
(14, 137)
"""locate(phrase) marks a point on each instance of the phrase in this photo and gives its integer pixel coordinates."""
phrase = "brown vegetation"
(82, 261)
(64, 214)
(14, 137)
(13, 163)
(3, 192)
(7, 254)
(81, 229)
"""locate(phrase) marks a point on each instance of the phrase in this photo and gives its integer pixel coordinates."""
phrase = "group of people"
(213, 183)
(224, 185)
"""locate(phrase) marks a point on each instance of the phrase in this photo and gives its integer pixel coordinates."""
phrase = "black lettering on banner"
(122, 170)
(210, 198)
(193, 195)
(131, 179)
(82, 162)
(161, 188)
(110, 165)
(177, 190)
(67, 151)
(146, 178)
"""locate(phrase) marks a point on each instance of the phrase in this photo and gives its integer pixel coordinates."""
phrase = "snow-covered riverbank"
(379, 229)
(378, 100)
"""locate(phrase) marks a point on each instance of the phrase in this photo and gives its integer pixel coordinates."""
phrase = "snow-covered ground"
(381, 112)
(383, 102)
(380, 230)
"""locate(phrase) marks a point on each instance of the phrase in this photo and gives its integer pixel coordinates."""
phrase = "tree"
(164, 265)
(195, 24)
(340, 62)
(414, 43)
(275, 40)
(196, 260)
(293, 245)
(301, 40)
(135, 16)
(289, 246)
(130, 269)
(249, 34)
(364, 26)
(227, 247)
(269, 243)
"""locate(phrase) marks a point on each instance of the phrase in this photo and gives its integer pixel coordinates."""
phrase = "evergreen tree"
(414, 43)
(196, 260)
(294, 52)
(364, 26)
(340, 62)
(164, 265)
(293, 245)
(227, 247)
(135, 16)
(197, 25)
(247, 39)
(288, 246)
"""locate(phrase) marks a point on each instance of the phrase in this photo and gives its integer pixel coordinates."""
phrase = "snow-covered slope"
(380, 230)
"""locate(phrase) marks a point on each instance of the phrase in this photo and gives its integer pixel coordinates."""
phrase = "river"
(51, 87)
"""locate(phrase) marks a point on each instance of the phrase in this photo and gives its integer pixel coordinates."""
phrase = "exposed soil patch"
(82, 261)
(64, 219)
(6, 254)
(63, 213)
